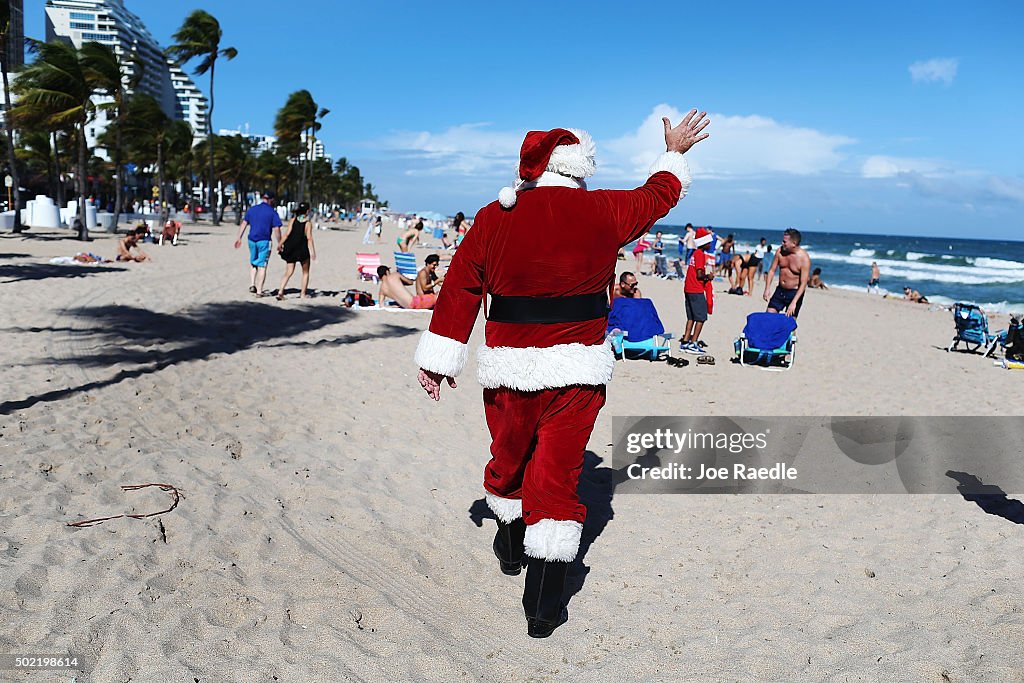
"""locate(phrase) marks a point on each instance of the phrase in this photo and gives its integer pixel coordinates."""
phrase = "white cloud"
(889, 167)
(1002, 187)
(466, 149)
(738, 146)
(934, 71)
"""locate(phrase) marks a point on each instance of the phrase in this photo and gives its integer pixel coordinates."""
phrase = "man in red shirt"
(700, 273)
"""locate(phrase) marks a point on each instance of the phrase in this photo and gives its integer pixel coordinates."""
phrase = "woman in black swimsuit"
(297, 247)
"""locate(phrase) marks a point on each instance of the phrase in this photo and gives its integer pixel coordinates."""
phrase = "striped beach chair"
(405, 263)
(366, 266)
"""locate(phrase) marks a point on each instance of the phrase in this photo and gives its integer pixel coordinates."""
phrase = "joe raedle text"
(738, 472)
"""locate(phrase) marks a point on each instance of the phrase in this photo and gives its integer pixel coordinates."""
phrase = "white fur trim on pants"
(505, 509)
(674, 163)
(535, 369)
(442, 355)
(553, 539)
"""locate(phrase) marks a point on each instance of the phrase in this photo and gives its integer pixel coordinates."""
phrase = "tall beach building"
(16, 37)
(111, 23)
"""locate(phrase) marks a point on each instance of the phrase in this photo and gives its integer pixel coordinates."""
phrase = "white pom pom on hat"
(507, 197)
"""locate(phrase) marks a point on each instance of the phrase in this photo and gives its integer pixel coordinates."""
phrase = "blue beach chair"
(405, 263)
(635, 330)
(972, 330)
(766, 338)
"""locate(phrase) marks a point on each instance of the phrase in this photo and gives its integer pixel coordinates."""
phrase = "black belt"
(561, 309)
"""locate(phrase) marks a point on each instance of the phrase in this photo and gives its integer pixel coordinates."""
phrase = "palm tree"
(5, 25)
(108, 77)
(298, 116)
(149, 128)
(56, 90)
(180, 154)
(199, 37)
(312, 146)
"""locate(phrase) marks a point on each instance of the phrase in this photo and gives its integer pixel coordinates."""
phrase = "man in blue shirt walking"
(263, 222)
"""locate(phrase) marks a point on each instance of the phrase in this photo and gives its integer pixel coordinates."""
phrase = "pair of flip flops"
(705, 360)
(677, 362)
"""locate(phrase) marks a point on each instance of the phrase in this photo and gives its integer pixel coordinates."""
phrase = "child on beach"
(131, 241)
(700, 273)
(815, 281)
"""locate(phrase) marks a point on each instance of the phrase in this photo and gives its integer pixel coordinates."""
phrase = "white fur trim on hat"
(505, 509)
(553, 539)
(674, 163)
(442, 355)
(534, 369)
(575, 160)
(701, 241)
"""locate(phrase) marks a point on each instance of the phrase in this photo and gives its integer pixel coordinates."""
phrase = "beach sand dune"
(332, 527)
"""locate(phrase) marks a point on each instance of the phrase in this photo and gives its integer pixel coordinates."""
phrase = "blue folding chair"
(405, 263)
(635, 330)
(766, 338)
(972, 330)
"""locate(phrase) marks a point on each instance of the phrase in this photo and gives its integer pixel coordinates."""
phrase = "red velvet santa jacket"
(558, 240)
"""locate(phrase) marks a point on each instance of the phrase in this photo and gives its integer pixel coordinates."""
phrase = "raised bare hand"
(686, 134)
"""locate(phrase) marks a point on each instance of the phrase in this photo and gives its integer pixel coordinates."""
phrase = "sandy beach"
(332, 526)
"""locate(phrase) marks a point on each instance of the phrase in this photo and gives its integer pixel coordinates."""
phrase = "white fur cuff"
(674, 163)
(505, 509)
(442, 355)
(552, 539)
(535, 369)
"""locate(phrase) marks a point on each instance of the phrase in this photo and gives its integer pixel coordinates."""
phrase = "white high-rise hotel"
(110, 23)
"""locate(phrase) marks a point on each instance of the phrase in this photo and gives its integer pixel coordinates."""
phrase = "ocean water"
(985, 272)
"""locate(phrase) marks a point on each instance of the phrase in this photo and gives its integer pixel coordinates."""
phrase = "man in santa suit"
(546, 254)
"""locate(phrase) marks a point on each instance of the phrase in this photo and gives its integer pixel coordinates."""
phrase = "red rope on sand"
(176, 495)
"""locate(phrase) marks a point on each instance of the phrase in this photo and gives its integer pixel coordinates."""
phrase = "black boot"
(508, 546)
(542, 598)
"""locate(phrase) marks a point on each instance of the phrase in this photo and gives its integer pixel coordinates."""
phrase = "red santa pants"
(537, 443)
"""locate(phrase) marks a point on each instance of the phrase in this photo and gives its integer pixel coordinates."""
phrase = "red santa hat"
(566, 151)
(702, 237)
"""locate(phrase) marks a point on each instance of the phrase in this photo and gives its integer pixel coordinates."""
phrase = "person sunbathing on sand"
(914, 296)
(392, 286)
(129, 242)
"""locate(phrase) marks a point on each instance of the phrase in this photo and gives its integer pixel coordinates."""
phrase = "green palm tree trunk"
(11, 159)
(209, 128)
(83, 155)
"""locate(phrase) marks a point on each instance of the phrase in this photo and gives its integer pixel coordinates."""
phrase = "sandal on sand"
(252, 289)
(705, 360)
(280, 297)
(677, 362)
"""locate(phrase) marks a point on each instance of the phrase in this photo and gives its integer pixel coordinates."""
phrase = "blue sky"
(900, 118)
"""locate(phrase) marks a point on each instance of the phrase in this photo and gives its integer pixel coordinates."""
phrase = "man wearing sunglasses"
(628, 287)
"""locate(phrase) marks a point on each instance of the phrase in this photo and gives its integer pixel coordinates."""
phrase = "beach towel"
(768, 330)
(637, 317)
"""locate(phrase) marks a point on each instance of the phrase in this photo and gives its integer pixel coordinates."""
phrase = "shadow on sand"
(45, 271)
(139, 341)
(992, 499)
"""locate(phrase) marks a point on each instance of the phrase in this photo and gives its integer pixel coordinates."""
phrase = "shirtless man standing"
(392, 286)
(794, 271)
